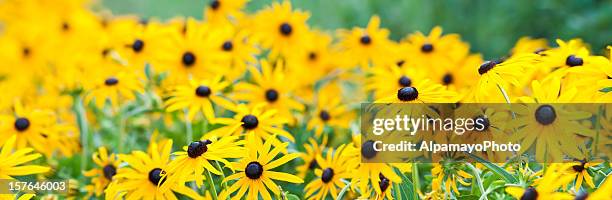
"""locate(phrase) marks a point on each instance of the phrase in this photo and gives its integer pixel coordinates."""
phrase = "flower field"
(263, 105)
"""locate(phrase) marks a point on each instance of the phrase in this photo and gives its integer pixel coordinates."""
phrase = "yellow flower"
(101, 177)
(421, 92)
(310, 156)
(434, 52)
(551, 128)
(271, 87)
(385, 80)
(546, 187)
(255, 122)
(254, 172)
(192, 53)
(283, 30)
(199, 96)
(13, 162)
(368, 46)
(498, 74)
(198, 156)
(115, 88)
(580, 170)
(449, 173)
(146, 175)
(331, 173)
(30, 126)
(222, 11)
(366, 173)
(330, 111)
(237, 50)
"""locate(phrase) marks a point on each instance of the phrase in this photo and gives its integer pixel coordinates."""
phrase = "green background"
(491, 27)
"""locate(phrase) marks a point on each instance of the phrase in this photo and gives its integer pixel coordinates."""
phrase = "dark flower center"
(253, 170)
(582, 196)
(109, 171)
(203, 91)
(215, 4)
(573, 61)
(427, 48)
(482, 123)
(324, 115)
(249, 122)
(404, 81)
(384, 182)
(530, 194)
(407, 94)
(545, 114)
(65, 26)
(111, 81)
(26, 52)
(367, 149)
(485, 67)
(138, 45)
(155, 176)
(580, 167)
(327, 175)
(198, 148)
(447, 79)
(312, 56)
(366, 40)
(227, 46)
(22, 124)
(286, 29)
(271, 95)
(188, 59)
(313, 164)
(400, 63)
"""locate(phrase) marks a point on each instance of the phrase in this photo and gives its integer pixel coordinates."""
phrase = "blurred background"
(491, 27)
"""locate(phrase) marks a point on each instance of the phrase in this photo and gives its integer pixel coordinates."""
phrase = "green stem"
(343, 191)
(79, 109)
(122, 133)
(478, 180)
(211, 185)
(188, 128)
(223, 183)
(600, 112)
(507, 98)
(415, 180)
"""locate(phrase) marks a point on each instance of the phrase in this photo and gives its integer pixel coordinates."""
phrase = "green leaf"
(495, 169)
(606, 90)
(407, 187)
(292, 197)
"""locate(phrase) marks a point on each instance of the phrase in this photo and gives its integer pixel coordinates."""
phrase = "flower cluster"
(261, 105)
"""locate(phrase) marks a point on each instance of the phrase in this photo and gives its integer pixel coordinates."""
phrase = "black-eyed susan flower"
(29, 125)
(367, 175)
(102, 176)
(330, 174)
(115, 88)
(421, 92)
(254, 171)
(580, 169)
(191, 54)
(272, 88)
(284, 29)
(255, 122)
(238, 50)
(546, 187)
(14, 163)
(385, 80)
(450, 173)
(222, 11)
(368, 46)
(146, 175)
(199, 155)
(199, 96)
(313, 148)
(499, 74)
(434, 52)
(550, 128)
(330, 111)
